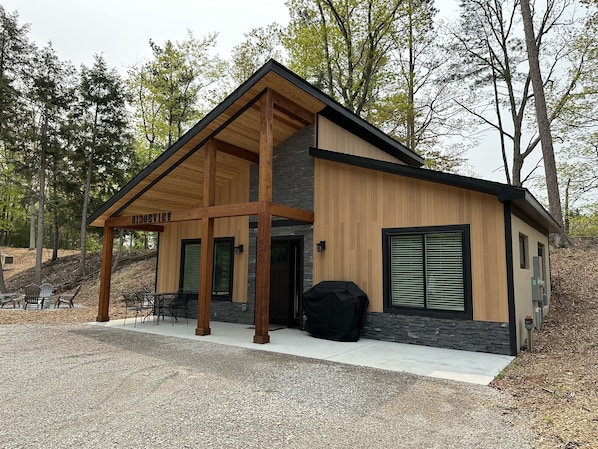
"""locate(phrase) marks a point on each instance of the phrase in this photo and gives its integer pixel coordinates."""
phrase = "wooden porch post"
(105, 274)
(207, 243)
(264, 224)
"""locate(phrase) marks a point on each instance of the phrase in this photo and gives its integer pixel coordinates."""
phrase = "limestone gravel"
(82, 386)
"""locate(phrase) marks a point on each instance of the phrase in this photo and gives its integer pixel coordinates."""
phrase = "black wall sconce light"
(321, 246)
(239, 249)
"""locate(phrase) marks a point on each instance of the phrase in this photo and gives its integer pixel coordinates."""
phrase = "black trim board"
(520, 196)
(510, 277)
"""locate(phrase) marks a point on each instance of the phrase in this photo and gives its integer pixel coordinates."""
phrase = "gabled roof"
(173, 181)
(520, 197)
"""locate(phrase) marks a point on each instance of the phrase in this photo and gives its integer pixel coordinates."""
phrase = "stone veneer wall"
(478, 336)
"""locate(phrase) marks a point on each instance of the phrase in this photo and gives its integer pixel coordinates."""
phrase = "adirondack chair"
(45, 293)
(32, 296)
(67, 298)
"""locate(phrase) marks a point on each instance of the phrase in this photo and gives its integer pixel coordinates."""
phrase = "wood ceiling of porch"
(176, 182)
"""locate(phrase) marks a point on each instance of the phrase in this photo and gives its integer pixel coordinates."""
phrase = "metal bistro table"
(159, 300)
(15, 298)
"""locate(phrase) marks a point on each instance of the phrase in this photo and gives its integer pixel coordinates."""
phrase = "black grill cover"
(334, 310)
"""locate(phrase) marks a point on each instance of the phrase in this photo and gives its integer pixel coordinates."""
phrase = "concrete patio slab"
(464, 366)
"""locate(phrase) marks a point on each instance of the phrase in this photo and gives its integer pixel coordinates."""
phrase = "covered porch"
(182, 186)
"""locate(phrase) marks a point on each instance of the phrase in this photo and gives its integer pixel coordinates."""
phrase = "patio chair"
(67, 298)
(32, 296)
(136, 303)
(45, 293)
(179, 305)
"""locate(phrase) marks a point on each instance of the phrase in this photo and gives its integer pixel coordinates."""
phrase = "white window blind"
(407, 271)
(444, 272)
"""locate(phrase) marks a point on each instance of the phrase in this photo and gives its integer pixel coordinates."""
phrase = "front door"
(285, 281)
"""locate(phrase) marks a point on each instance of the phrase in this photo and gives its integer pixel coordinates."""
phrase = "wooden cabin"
(280, 187)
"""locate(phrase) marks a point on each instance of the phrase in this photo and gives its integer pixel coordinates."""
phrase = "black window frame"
(389, 307)
(231, 243)
(524, 262)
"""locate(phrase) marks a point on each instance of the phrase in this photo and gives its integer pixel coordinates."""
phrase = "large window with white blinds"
(428, 270)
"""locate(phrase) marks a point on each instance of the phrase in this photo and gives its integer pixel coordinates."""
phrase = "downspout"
(510, 277)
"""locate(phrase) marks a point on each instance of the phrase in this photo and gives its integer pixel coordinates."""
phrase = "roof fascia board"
(503, 192)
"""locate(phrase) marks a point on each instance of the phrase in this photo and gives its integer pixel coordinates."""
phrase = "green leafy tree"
(260, 45)
(50, 96)
(171, 92)
(104, 150)
(343, 47)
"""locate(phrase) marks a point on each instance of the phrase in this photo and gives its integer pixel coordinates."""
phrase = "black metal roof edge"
(503, 192)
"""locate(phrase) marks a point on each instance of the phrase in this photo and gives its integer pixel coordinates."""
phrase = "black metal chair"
(179, 305)
(137, 304)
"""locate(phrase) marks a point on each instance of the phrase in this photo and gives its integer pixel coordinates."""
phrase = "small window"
(542, 254)
(523, 252)
(222, 277)
(428, 270)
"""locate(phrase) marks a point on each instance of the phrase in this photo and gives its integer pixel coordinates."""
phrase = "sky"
(120, 30)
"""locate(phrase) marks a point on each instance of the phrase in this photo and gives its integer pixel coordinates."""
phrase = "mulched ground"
(556, 384)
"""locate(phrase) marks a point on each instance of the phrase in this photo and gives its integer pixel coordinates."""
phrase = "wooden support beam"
(264, 224)
(105, 275)
(292, 213)
(207, 243)
(236, 151)
(225, 210)
(292, 109)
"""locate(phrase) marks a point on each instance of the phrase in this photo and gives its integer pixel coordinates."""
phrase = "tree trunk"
(2, 284)
(32, 224)
(552, 185)
(37, 275)
(82, 267)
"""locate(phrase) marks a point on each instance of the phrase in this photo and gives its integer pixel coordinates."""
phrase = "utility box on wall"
(538, 291)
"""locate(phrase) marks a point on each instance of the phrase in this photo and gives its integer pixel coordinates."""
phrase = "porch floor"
(465, 366)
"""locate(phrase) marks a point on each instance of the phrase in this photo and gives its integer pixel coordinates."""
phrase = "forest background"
(70, 137)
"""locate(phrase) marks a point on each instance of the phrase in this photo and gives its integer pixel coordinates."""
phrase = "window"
(427, 271)
(542, 254)
(222, 277)
(523, 252)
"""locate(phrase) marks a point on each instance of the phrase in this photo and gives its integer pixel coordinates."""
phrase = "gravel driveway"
(83, 386)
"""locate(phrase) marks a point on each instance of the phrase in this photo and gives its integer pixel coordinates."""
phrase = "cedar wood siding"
(334, 138)
(522, 276)
(353, 204)
(169, 255)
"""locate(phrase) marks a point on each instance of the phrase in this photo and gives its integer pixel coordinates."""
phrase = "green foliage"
(260, 45)
(165, 92)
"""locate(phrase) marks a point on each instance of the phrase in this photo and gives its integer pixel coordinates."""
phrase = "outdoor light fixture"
(239, 249)
(321, 246)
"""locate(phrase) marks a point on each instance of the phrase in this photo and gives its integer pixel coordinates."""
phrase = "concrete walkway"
(472, 367)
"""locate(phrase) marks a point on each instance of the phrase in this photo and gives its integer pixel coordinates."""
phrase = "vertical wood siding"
(332, 137)
(353, 205)
(169, 260)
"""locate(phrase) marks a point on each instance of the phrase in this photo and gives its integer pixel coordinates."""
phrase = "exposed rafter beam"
(236, 151)
(292, 109)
